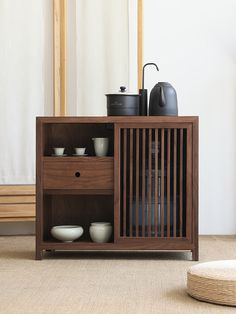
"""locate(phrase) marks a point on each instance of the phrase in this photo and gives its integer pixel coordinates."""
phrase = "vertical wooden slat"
(117, 181)
(181, 184)
(131, 184)
(124, 179)
(60, 57)
(143, 179)
(149, 182)
(156, 185)
(189, 183)
(162, 181)
(174, 182)
(137, 182)
(168, 183)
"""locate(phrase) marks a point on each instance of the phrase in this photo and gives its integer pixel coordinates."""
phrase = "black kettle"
(163, 100)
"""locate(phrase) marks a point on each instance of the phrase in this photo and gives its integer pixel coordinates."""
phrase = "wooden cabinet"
(147, 185)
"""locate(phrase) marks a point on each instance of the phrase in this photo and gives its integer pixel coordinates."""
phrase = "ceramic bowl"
(67, 233)
(100, 233)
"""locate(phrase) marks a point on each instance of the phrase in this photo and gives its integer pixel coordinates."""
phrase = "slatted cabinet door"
(153, 185)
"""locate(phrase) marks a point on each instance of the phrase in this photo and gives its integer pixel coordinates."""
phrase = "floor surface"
(103, 283)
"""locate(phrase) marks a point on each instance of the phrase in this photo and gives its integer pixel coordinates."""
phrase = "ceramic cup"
(59, 150)
(100, 232)
(101, 146)
(80, 150)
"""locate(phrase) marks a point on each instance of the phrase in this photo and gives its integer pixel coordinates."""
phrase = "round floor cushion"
(213, 282)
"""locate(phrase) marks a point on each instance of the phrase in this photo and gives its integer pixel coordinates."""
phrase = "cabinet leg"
(38, 255)
(195, 256)
(50, 250)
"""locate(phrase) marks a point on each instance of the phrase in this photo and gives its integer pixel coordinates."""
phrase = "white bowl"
(67, 233)
(100, 234)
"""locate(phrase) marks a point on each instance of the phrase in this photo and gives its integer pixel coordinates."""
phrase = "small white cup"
(59, 150)
(101, 146)
(80, 150)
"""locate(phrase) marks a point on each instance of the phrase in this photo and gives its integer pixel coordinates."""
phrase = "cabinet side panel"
(39, 190)
(195, 144)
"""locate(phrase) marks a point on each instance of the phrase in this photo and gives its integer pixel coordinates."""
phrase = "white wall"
(194, 45)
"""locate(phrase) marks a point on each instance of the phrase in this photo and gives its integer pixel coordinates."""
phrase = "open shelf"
(79, 210)
(76, 135)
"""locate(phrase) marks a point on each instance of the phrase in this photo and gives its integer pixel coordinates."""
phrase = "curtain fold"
(22, 86)
(102, 52)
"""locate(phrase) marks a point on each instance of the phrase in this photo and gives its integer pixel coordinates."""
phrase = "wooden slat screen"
(153, 173)
(17, 203)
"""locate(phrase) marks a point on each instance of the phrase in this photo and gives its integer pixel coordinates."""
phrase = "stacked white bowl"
(100, 232)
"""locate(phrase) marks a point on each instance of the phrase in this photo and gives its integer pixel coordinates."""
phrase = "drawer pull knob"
(77, 174)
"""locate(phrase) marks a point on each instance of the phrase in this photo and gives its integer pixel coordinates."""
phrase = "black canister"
(122, 103)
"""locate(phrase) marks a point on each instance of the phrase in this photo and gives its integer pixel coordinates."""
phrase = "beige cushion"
(213, 282)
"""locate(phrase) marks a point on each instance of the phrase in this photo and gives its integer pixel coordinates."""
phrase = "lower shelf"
(164, 244)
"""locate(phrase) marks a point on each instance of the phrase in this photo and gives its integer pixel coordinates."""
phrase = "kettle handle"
(149, 63)
(162, 100)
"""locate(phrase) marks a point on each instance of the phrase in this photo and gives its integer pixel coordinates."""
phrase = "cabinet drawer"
(87, 173)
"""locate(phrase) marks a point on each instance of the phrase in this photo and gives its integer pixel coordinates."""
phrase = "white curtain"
(23, 79)
(100, 53)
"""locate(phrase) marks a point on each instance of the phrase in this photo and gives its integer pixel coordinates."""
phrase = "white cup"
(80, 150)
(101, 146)
(59, 150)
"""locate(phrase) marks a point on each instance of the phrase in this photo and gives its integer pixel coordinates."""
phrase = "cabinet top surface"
(118, 119)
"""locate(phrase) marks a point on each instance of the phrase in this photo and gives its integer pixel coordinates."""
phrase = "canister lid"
(122, 92)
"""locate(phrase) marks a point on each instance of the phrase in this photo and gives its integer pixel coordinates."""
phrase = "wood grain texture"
(135, 179)
(174, 182)
(17, 190)
(17, 202)
(137, 183)
(162, 181)
(156, 185)
(17, 210)
(131, 156)
(177, 122)
(17, 199)
(18, 219)
(117, 187)
(124, 181)
(86, 173)
(59, 56)
(195, 191)
(143, 179)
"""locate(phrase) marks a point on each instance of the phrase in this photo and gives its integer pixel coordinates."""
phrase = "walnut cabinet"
(146, 186)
